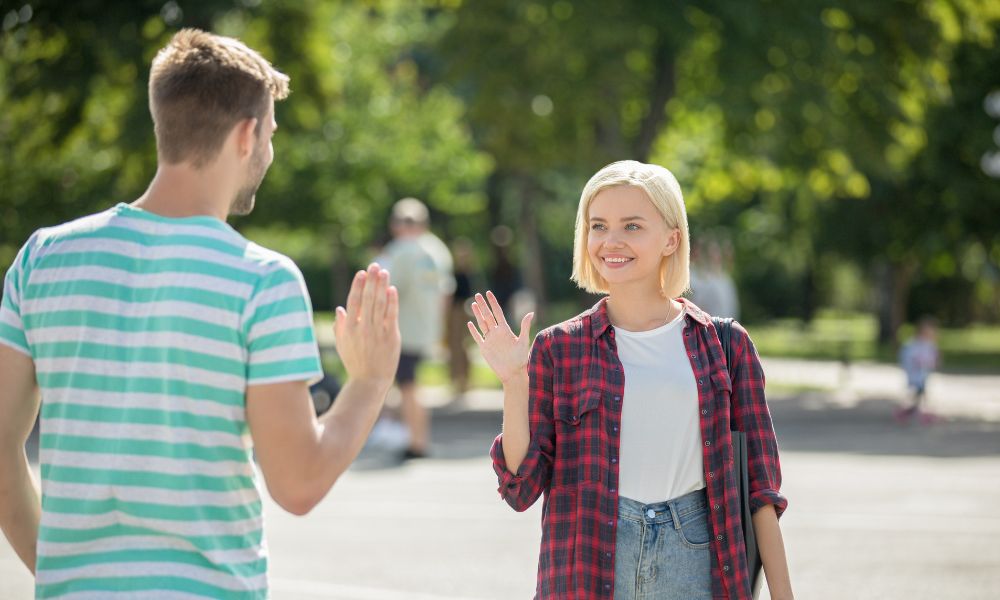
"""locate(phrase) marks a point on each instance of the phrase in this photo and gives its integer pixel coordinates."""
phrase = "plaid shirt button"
(707, 443)
(718, 537)
(704, 412)
(725, 568)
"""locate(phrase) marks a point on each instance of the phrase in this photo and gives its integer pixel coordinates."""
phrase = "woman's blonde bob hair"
(664, 192)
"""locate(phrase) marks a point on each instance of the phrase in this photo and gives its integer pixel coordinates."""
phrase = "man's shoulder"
(85, 224)
(269, 262)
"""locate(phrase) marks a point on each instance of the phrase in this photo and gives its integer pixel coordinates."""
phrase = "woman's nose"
(613, 241)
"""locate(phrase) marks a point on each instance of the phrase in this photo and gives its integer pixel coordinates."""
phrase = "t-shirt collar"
(600, 322)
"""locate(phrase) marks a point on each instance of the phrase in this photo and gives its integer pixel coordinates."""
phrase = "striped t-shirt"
(145, 332)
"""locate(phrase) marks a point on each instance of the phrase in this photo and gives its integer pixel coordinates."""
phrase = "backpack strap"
(724, 329)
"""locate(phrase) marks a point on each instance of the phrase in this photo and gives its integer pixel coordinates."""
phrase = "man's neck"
(178, 191)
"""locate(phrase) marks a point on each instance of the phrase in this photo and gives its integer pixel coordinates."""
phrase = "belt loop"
(674, 516)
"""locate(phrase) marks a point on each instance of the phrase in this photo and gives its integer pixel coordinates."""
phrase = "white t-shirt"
(660, 453)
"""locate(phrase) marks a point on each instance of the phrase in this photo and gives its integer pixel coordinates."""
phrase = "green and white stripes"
(145, 332)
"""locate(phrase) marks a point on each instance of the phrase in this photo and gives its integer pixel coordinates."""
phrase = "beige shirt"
(420, 268)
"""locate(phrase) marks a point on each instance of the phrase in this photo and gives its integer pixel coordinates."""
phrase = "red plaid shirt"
(576, 388)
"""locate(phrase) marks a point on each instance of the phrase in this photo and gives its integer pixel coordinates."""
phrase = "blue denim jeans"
(662, 549)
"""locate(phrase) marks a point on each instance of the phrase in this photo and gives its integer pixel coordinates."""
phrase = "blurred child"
(918, 358)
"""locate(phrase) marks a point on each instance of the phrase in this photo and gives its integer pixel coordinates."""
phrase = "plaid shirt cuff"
(510, 484)
(762, 498)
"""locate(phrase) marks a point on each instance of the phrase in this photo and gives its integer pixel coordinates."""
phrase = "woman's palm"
(505, 353)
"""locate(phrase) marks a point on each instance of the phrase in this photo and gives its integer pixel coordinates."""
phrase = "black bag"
(724, 328)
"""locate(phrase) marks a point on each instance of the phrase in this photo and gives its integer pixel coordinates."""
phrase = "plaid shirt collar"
(600, 322)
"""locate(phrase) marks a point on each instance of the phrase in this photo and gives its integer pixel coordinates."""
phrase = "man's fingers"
(368, 294)
(354, 296)
(378, 310)
(475, 334)
(497, 310)
(392, 308)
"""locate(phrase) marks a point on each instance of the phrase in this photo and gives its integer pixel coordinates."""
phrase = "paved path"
(878, 510)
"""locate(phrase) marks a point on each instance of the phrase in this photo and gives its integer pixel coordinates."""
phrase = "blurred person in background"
(712, 287)
(459, 312)
(919, 357)
(621, 416)
(423, 274)
(505, 281)
(160, 338)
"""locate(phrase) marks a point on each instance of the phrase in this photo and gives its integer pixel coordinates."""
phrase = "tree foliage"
(827, 140)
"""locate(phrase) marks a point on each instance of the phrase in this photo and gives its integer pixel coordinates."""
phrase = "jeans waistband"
(662, 512)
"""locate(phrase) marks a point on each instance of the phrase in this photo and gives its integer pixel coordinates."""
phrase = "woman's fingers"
(497, 310)
(481, 320)
(484, 306)
(475, 334)
(526, 325)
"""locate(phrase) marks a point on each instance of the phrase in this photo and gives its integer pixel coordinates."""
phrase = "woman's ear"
(672, 242)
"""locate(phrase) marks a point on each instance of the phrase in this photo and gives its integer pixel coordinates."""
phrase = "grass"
(831, 336)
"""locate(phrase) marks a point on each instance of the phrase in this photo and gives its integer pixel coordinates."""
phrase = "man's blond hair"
(200, 86)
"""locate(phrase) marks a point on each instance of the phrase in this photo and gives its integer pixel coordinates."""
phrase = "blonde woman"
(621, 416)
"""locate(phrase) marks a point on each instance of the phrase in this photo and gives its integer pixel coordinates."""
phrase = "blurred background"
(844, 154)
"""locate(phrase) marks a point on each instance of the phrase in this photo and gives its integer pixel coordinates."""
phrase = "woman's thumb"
(526, 324)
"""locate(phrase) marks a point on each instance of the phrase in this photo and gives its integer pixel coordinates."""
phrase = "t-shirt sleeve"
(278, 325)
(12, 332)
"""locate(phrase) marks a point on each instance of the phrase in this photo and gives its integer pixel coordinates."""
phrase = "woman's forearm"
(772, 553)
(516, 433)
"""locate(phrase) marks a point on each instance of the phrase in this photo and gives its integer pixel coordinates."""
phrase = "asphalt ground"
(877, 509)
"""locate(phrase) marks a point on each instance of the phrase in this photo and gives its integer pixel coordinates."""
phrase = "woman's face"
(627, 238)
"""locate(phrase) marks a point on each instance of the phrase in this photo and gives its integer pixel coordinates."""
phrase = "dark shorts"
(407, 370)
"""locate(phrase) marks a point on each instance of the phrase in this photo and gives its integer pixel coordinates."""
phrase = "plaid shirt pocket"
(579, 443)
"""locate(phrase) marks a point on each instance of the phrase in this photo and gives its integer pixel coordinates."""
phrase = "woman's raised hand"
(505, 353)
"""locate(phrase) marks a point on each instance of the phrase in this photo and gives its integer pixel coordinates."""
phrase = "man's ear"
(246, 138)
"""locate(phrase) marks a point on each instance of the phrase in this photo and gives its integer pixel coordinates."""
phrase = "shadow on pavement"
(816, 422)
(807, 422)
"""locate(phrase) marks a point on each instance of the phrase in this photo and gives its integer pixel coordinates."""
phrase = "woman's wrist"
(516, 380)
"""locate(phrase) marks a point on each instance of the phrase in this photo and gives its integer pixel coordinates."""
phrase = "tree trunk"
(661, 90)
(893, 282)
(531, 256)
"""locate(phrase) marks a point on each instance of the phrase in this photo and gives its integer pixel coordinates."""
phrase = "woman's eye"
(632, 227)
(597, 227)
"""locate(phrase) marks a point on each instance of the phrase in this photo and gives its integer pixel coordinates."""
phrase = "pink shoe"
(930, 419)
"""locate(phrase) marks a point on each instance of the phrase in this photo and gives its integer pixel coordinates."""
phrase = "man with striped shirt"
(166, 347)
